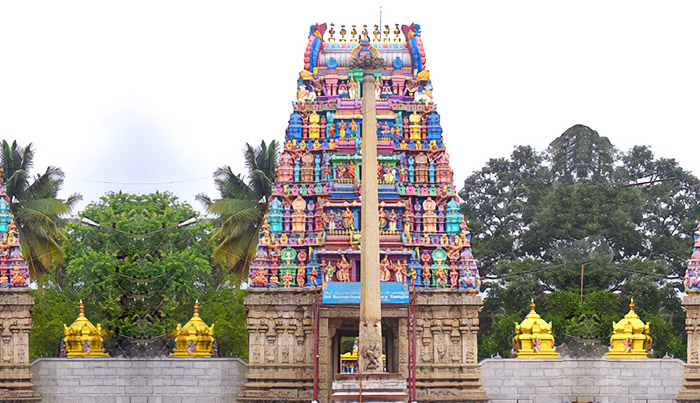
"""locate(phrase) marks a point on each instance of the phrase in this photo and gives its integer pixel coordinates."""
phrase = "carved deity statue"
(415, 127)
(307, 168)
(348, 219)
(421, 168)
(343, 269)
(393, 219)
(429, 217)
(299, 217)
(314, 126)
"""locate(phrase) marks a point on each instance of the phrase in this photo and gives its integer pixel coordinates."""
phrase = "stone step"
(370, 388)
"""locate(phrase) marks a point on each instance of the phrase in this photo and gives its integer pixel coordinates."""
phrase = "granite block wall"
(122, 380)
(218, 380)
(583, 380)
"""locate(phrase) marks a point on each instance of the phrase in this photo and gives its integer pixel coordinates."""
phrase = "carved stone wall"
(280, 365)
(447, 325)
(15, 325)
(281, 343)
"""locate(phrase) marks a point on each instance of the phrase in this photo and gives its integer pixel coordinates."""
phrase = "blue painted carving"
(274, 215)
(434, 128)
(332, 63)
(295, 127)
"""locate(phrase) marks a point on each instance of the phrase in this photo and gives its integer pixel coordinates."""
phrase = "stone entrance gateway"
(364, 148)
(282, 365)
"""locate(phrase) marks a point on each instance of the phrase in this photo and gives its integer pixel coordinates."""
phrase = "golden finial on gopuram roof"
(331, 32)
(82, 338)
(630, 338)
(533, 337)
(397, 31)
(387, 31)
(195, 339)
(376, 33)
(353, 33)
(343, 31)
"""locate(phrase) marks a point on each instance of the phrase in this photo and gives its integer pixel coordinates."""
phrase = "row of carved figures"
(384, 145)
(308, 217)
(331, 85)
(451, 267)
(324, 188)
(14, 277)
(319, 127)
(309, 168)
(436, 276)
(352, 238)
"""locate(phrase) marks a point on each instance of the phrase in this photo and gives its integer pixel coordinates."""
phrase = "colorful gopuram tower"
(15, 315)
(304, 295)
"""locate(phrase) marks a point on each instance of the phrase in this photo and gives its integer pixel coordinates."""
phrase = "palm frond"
(50, 207)
(72, 200)
(45, 185)
(204, 199)
(228, 207)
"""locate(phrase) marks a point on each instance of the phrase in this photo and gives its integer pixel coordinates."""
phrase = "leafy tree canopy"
(138, 274)
(540, 219)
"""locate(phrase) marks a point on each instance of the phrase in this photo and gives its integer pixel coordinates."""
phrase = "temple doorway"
(345, 347)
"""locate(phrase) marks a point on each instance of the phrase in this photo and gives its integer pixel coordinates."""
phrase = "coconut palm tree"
(242, 206)
(34, 206)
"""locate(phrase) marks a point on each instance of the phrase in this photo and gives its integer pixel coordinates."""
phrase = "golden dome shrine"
(533, 337)
(630, 337)
(195, 339)
(83, 339)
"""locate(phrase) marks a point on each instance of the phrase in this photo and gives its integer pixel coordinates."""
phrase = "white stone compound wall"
(122, 380)
(584, 380)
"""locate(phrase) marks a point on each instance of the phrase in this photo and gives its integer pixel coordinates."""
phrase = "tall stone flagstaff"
(370, 358)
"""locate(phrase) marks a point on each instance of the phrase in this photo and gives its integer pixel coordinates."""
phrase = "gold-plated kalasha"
(331, 32)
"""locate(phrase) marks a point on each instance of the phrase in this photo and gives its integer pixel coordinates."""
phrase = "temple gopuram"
(304, 283)
(15, 315)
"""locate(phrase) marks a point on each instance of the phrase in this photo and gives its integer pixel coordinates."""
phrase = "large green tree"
(35, 206)
(139, 271)
(541, 219)
(242, 206)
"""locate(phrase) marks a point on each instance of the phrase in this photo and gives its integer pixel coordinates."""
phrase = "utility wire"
(139, 183)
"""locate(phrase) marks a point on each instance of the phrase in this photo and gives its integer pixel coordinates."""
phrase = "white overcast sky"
(166, 91)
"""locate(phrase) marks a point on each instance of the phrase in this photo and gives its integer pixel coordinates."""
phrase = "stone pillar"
(15, 325)
(691, 383)
(370, 345)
